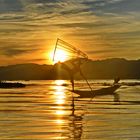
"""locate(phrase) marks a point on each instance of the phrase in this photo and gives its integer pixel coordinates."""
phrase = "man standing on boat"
(73, 70)
(74, 58)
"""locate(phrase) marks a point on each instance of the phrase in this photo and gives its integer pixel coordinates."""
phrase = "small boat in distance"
(100, 92)
(11, 85)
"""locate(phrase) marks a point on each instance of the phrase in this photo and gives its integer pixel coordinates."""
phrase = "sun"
(59, 56)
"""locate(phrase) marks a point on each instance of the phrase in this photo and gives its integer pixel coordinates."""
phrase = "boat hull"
(100, 92)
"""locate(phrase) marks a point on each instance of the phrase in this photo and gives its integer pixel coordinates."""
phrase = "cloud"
(100, 25)
(113, 6)
(89, 25)
(37, 60)
(7, 6)
(11, 51)
(18, 30)
(14, 52)
(102, 51)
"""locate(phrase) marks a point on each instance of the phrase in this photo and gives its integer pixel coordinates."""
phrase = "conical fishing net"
(64, 51)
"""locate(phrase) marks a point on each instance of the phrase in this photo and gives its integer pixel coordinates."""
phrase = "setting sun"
(59, 56)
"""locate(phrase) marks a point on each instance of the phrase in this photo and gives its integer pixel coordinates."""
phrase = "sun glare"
(59, 82)
(60, 56)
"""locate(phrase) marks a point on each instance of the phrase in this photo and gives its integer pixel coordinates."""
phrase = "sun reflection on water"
(59, 82)
(59, 121)
(65, 114)
(60, 112)
(60, 97)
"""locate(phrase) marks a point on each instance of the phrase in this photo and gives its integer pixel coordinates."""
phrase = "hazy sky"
(101, 28)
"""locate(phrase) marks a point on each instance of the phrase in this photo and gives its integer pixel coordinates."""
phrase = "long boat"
(100, 92)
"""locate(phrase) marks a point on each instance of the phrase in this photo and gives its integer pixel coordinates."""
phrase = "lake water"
(44, 111)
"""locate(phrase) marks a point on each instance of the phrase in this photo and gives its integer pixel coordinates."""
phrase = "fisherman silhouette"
(73, 70)
(116, 80)
(74, 57)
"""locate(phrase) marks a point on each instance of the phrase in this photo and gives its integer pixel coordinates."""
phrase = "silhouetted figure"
(116, 80)
(73, 70)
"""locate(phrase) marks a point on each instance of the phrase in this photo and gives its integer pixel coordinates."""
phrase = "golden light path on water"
(60, 99)
(44, 111)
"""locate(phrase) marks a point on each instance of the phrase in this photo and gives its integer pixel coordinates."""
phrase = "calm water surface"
(43, 111)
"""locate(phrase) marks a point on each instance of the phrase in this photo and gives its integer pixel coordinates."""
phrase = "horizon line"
(88, 59)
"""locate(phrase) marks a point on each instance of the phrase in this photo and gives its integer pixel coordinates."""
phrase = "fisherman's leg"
(72, 84)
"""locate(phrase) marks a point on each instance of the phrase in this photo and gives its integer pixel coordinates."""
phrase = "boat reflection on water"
(70, 112)
(69, 119)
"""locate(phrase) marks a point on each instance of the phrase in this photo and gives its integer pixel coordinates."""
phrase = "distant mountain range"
(100, 69)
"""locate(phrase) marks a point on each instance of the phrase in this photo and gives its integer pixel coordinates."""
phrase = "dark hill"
(25, 72)
(101, 69)
(109, 68)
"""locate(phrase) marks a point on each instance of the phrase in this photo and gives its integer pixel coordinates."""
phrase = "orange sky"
(102, 29)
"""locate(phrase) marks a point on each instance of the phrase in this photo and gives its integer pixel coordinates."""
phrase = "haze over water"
(43, 111)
